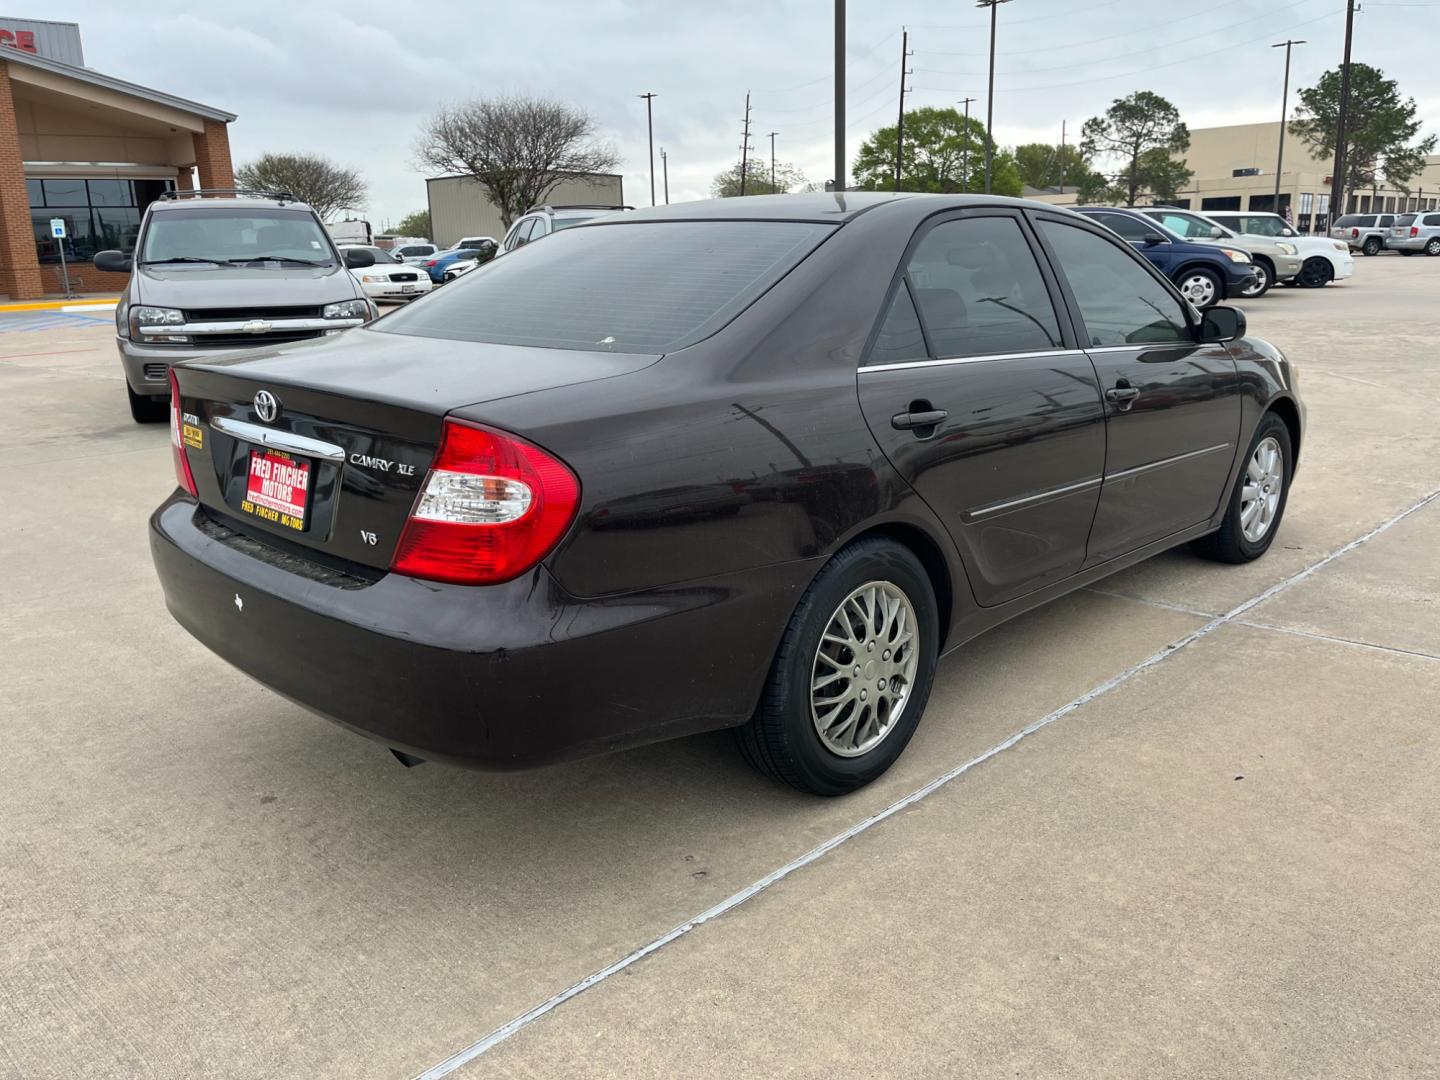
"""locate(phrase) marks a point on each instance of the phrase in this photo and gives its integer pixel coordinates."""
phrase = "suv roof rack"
(260, 193)
(576, 206)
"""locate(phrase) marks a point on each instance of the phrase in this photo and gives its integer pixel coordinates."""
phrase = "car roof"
(1111, 209)
(166, 205)
(828, 207)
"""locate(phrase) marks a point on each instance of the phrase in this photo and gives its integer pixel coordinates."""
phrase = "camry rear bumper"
(504, 676)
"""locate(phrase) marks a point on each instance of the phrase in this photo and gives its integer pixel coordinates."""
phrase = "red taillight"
(183, 475)
(431, 262)
(1414, 230)
(492, 507)
(1354, 234)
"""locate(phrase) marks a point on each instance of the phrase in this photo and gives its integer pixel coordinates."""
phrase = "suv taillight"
(1414, 230)
(1354, 234)
(183, 476)
(492, 507)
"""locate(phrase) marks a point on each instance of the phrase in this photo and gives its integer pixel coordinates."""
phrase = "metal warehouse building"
(460, 207)
(88, 149)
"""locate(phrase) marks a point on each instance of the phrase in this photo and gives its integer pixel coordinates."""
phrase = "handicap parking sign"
(57, 228)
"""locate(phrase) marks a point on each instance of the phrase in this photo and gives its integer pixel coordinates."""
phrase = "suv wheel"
(1264, 278)
(1201, 287)
(1315, 273)
(1432, 247)
(145, 409)
(1371, 245)
(851, 677)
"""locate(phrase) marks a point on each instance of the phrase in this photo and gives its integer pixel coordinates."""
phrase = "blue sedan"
(436, 264)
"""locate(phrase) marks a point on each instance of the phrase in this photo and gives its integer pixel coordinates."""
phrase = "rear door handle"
(909, 421)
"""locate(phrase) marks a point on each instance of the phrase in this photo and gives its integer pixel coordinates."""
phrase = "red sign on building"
(24, 40)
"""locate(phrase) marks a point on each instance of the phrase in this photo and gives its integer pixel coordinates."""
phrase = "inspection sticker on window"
(278, 488)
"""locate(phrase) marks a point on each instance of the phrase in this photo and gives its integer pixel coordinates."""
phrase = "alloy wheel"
(1433, 247)
(864, 668)
(1262, 280)
(1199, 289)
(1264, 484)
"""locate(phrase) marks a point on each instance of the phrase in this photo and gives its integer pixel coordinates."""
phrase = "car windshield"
(1264, 225)
(1186, 225)
(648, 287)
(380, 254)
(222, 235)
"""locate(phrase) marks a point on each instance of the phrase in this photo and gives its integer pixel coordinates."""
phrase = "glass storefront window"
(98, 214)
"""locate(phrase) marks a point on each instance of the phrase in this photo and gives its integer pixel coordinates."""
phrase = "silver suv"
(1363, 232)
(1274, 259)
(541, 221)
(1415, 232)
(216, 270)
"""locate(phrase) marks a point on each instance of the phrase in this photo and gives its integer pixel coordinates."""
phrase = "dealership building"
(1234, 169)
(90, 150)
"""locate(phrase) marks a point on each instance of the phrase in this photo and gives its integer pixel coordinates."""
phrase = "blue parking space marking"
(29, 322)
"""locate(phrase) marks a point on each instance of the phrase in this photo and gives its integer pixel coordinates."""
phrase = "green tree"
(936, 142)
(1379, 128)
(1046, 164)
(1131, 130)
(313, 179)
(415, 223)
(726, 185)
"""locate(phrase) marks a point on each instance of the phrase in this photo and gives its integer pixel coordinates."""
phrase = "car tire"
(145, 409)
(1315, 273)
(1432, 247)
(1240, 538)
(1266, 275)
(1201, 287)
(1371, 246)
(783, 739)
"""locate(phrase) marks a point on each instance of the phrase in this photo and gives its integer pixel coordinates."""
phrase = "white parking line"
(88, 307)
(525, 1019)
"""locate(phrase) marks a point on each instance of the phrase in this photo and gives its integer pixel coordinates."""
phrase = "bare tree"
(327, 187)
(518, 148)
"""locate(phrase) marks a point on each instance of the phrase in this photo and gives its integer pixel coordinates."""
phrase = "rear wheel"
(851, 677)
(1433, 246)
(1315, 273)
(145, 409)
(1201, 287)
(1264, 278)
(1257, 502)
(1371, 246)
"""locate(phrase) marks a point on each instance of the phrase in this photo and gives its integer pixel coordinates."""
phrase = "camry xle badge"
(256, 326)
(239, 604)
(267, 406)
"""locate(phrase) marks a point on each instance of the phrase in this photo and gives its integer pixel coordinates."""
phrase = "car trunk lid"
(326, 445)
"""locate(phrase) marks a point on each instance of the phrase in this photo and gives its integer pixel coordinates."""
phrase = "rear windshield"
(1405, 219)
(558, 223)
(647, 287)
(235, 236)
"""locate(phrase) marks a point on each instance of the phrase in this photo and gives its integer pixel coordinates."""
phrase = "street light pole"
(1337, 180)
(839, 95)
(650, 128)
(990, 93)
(1284, 111)
(772, 161)
(965, 148)
(665, 169)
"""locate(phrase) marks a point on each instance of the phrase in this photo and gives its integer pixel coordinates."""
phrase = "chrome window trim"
(993, 509)
(1138, 469)
(278, 440)
(1145, 345)
(941, 361)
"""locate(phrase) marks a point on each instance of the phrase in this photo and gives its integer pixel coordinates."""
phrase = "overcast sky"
(354, 80)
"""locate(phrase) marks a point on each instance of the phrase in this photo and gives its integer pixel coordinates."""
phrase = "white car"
(472, 242)
(1323, 260)
(389, 278)
(414, 253)
(459, 268)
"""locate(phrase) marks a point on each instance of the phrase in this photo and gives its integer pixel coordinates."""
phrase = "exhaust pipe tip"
(408, 760)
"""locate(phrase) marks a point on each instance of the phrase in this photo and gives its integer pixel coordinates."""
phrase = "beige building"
(1234, 169)
(460, 207)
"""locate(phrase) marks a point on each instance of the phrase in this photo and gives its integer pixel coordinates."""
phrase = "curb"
(62, 305)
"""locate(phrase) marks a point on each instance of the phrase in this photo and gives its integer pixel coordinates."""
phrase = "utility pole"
(650, 128)
(839, 181)
(900, 123)
(1284, 112)
(990, 93)
(1062, 157)
(773, 188)
(1337, 181)
(965, 151)
(665, 169)
(745, 146)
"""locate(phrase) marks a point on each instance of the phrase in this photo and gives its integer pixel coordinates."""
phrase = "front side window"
(222, 235)
(521, 236)
(1186, 225)
(1125, 225)
(1120, 301)
(647, 287)
(979, 290)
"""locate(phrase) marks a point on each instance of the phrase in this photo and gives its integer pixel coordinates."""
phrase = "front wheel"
(851, 677)
(1371, 246)
(1201, 287)
(1316, 273)
(1263, 280)
(1257, 502)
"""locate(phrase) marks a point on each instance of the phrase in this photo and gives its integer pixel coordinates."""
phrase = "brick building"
(91, 150)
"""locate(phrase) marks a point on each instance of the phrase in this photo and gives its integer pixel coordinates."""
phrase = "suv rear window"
(647, 287)
(1402, 220)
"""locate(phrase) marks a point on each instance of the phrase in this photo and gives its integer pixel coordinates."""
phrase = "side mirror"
(1288, 232)
(1222, 324)
(116, 262)
(356, 259)
(1216, 232)
(1151, 239)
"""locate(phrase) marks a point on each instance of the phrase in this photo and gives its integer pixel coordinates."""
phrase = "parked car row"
(1220, 255)
(1406, 233)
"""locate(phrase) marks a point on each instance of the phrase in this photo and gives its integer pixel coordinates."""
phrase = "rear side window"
(900, 337)
(979, 291)
(648, 287)
(1432, 219)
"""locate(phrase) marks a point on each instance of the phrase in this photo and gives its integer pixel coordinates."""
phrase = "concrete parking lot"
(1215, 851)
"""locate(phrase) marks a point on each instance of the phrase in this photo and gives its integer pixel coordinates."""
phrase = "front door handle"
(1123, 396)
(909, 421)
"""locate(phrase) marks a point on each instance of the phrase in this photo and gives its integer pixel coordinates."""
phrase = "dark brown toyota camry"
(753, 463)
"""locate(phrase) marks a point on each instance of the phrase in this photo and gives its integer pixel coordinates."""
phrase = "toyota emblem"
(267, 406)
